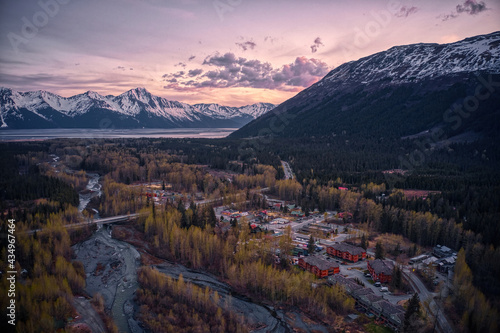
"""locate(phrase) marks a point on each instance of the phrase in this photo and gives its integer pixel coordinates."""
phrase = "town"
(327, 244)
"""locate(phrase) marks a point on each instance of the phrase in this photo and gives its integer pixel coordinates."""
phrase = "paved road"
(287, 169)
(425, 295)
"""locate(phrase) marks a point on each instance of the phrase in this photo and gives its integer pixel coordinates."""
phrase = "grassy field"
(373, 328)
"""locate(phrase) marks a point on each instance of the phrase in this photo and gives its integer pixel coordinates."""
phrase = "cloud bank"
(229, 70)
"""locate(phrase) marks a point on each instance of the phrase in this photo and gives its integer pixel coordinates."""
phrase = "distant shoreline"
(22, 135)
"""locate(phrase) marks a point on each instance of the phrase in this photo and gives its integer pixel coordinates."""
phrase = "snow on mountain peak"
(133, 103)
(419, 61)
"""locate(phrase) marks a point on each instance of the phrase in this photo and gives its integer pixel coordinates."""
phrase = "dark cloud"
(232, 71)
(316, 45)
(121, 68)
(405, 11)
(471, 7)
(195, 72)
(179, 74)
(247, 45)
(182, 64)
(191, 57)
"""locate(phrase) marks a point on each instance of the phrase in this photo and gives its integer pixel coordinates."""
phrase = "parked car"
(368, 275)
(377, 284)
(384, 289)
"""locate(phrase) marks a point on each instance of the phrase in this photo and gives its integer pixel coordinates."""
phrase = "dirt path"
(88, 315)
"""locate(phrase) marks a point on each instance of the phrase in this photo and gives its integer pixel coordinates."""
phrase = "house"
(347, 252)
(298, 213)
(442, 251)
(446, 264)
(380, 270)
(318, 266)
(279, 220)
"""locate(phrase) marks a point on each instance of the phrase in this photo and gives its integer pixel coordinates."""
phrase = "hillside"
(404, 91)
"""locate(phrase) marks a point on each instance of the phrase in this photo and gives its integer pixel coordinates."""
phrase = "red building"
(347, 252)
(319, 267)
(381, 270)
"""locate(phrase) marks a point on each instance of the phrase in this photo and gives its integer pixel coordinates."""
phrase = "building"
(318, 266)
(347, 252)
(350, 285)
(392, 315)
(442, 251)
(380, 270)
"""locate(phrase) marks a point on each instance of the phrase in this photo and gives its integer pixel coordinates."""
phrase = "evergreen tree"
(310, 244)
(411, 314)
(364, 242)
(379, 251)
(397, 279)
(212, 219)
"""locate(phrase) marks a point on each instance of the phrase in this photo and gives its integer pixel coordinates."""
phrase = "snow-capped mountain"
(422, 61)
(399, 92)
(134, 108)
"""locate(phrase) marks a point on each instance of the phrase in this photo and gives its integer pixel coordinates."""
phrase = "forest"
(462, 213)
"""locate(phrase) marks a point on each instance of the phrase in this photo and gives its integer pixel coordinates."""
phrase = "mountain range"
(407, 91)
(135, 108)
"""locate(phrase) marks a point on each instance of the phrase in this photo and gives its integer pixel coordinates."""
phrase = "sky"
(231, 52)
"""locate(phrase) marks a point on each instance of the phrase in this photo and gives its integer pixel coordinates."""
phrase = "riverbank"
(111, 270)
(259, 316)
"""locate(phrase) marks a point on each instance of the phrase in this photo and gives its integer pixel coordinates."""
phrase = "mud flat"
(111, 270)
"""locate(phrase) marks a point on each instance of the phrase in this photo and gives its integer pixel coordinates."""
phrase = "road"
(287, 169)
(428, 297)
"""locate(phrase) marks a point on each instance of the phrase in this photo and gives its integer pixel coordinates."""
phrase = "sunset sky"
(231, 52)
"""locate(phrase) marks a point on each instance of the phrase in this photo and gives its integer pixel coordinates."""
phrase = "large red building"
(381, 270)
(319, 267)
(347, 252)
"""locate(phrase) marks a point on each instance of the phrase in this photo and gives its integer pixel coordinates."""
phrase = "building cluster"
(390, 314)
(442, 258)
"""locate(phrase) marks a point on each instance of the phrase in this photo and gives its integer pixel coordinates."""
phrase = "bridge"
(101, 221)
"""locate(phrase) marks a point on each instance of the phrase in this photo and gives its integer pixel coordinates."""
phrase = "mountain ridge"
(398, 92)
(131, 109)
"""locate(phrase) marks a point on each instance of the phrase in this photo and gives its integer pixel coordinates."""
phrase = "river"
(111, 270)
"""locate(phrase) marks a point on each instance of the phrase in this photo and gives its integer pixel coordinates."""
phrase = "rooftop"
(344, 247)
(319, 262)
(381, 266)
